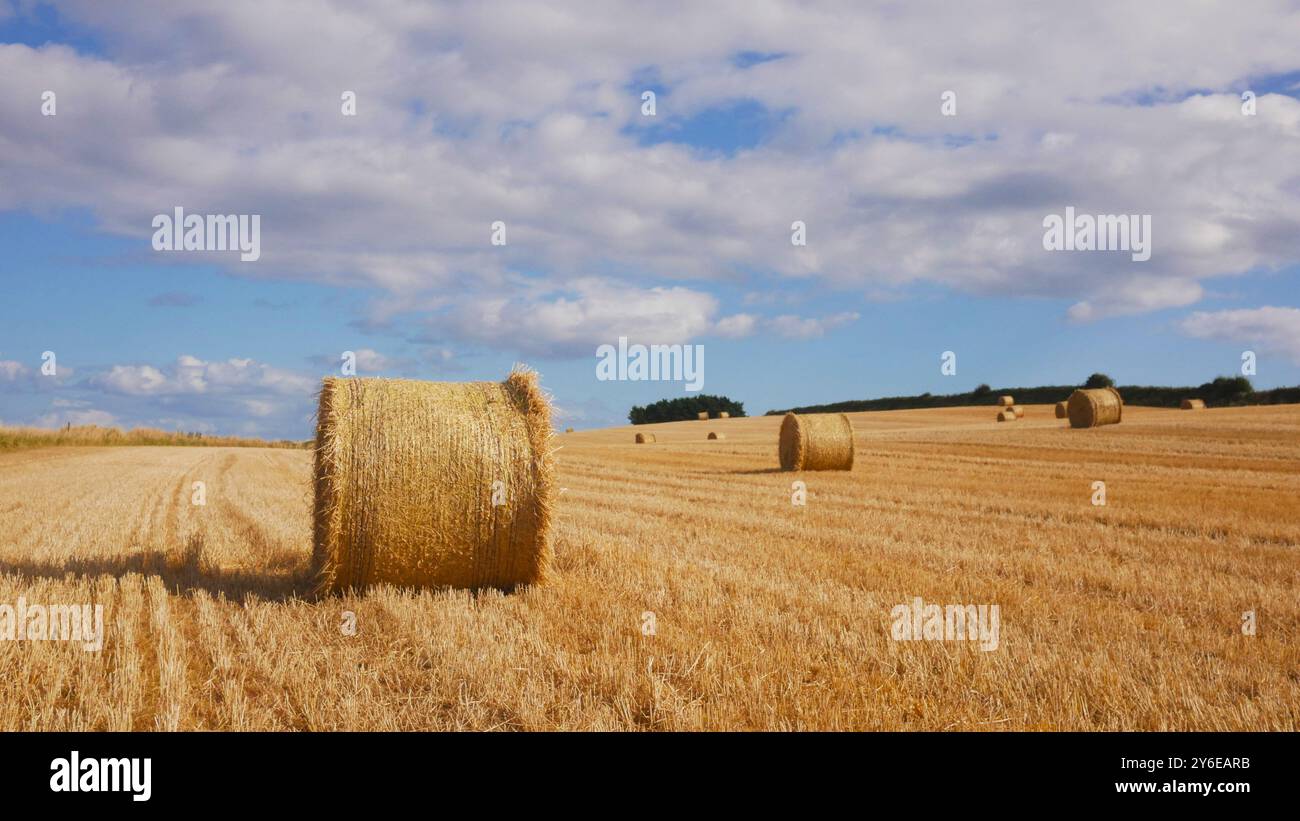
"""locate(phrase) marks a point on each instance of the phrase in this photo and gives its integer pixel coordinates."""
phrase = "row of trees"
(1225, 390)
(683, 408)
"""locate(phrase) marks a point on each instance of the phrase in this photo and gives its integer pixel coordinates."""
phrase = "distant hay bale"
(1089, 408)
(1006, 401)
(1193, 404)
(1018, 410)
(568, 430)
(432, 484)
(816, 441)
(645, 438)
(1007, 415)
(724, 415)
(713, 435)
(1061, 412)
(702, 415)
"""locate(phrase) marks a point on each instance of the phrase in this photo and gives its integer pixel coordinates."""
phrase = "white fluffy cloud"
(372, 361)
(736, 326)
(11, 371)
(91, 416)
(589, 313)
(191, 375)
(470, 113)
(796, 327)
(1273, 329)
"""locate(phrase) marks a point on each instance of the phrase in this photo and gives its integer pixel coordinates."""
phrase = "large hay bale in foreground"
(713, 435)
(816, 441)
(1193, 404)
(702, 415)
(645, 438)
(1018, 410)
(406, 493)
(1006, 401)
(724, 415)
(1089, 408)
(1061, 411)
(1007, 415)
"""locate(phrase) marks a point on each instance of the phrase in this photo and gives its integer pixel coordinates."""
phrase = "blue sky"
(924, 232)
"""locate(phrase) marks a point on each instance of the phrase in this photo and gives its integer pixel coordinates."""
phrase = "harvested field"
(766, 615)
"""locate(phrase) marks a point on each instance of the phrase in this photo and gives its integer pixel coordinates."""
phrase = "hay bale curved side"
(404, 474)
(1061, 411)
(816, 441)
(1192, 404)
(1092, 407)
(724, 415)
(645, 438)
(702, 415)
(1006, 401)
(1007, 415)
(1018, 410)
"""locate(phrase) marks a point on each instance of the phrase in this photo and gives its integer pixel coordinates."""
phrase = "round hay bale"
(702, 415)
(1193, 404)
(1007, 415)
(1093, 407)
(1061, 412)
(568, 430)
(645, 438)
(406, 479)
(1018, 410)
(816, 441)
(713, 435)
(1006, 401)
(724, 415)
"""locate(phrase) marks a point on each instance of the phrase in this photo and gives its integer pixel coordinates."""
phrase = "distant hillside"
(1221, 392)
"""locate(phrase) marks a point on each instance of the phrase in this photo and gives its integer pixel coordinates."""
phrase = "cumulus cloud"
(1136, 295)
(593, 312)
(589, 313)
(1273, 329)
(57, 419)
(532, 123)
(12, 371)
(736, 326)
(797, 327)
(194, 376)
(370, 362)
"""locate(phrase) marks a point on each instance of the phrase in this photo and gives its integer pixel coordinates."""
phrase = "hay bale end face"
(1018, 410)
(645, 438)
(1007, 415)
(432, 484)
(1006, 401)
(1090, 408)
(1193, 404)
(713, 435)
(702, 415)
(1061, 411)
(816, 441)
(724, 415)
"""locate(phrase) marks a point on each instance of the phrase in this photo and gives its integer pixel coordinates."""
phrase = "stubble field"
(766, 615)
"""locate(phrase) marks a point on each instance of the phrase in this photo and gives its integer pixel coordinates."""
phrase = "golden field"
(767, 615)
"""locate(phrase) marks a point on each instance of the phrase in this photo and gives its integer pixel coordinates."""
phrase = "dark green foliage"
(1099, 380)
(684, 407)
(1223, 391)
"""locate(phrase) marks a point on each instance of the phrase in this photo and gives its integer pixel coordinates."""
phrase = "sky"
(924, 225)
